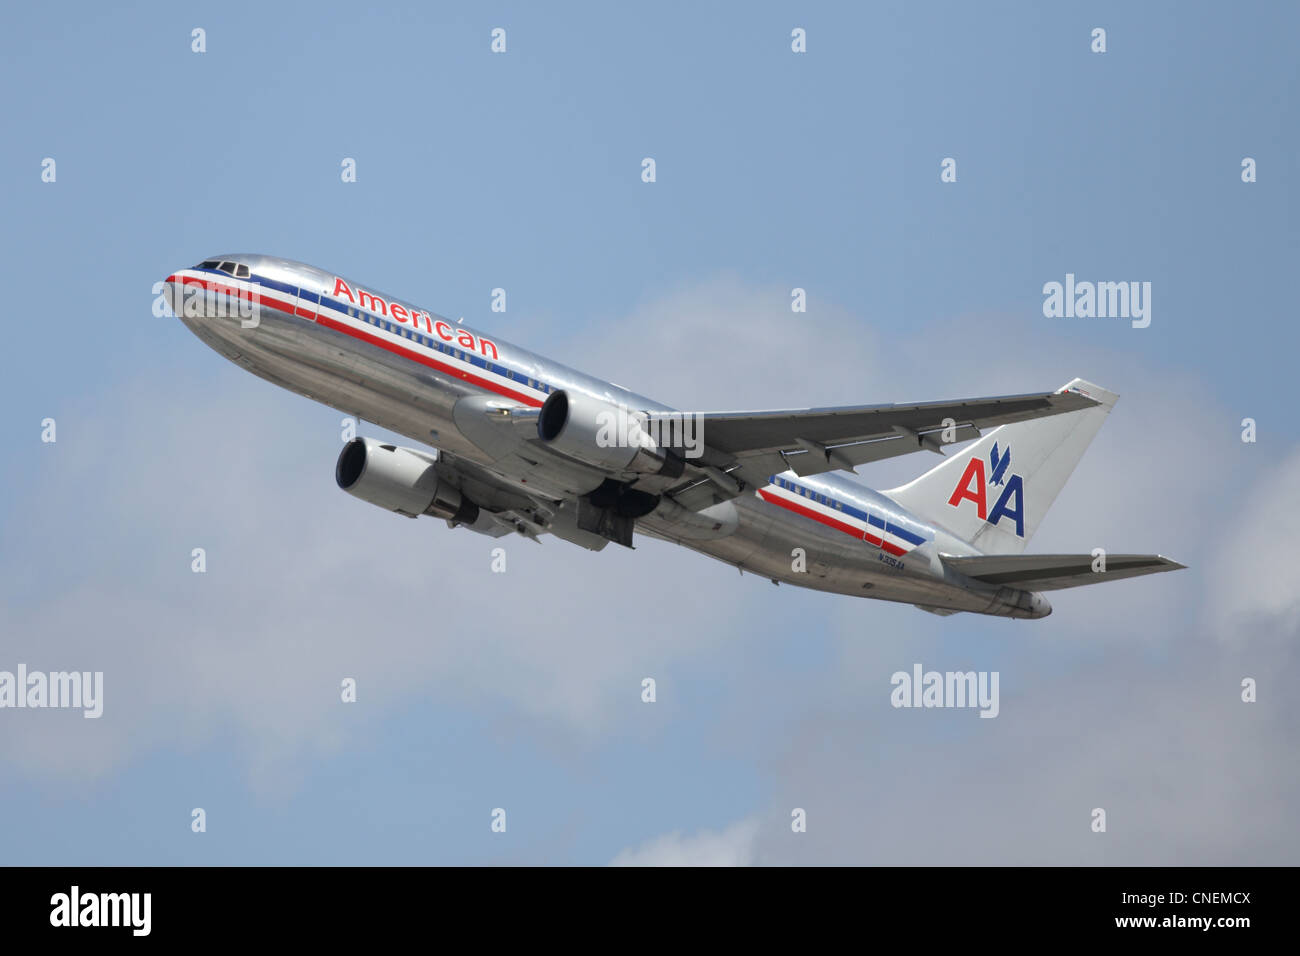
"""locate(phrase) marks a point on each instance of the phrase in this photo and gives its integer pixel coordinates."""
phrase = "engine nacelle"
(605, 435)
(400, 479)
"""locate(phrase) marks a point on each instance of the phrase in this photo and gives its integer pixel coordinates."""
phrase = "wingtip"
(1101, 396)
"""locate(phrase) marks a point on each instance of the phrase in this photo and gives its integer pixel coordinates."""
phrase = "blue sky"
(522, 171)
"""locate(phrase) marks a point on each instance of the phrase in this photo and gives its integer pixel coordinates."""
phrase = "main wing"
(809, 441)
(739, 450)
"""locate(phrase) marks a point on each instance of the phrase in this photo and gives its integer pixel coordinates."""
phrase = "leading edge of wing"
(741, 431)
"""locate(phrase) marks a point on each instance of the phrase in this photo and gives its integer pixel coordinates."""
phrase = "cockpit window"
(227, 267)
(207, 264)
(241, 272)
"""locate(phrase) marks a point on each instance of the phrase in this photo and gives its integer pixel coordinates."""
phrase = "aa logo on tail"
(999, 465)
(973, 487)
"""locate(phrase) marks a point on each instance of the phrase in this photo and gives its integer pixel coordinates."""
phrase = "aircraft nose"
(171, 292)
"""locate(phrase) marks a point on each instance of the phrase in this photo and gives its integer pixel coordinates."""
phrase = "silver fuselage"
(377, 357)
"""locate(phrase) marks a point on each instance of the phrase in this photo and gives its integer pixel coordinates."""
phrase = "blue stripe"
(904, 534)
(870, 519)
(254, 277)
(278, 286)
(429, 341)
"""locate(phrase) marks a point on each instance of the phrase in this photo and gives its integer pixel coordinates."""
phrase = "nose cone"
(217, 293)
(171, 293)
(213, 300)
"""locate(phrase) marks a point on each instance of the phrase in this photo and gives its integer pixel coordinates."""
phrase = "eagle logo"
(998, 466)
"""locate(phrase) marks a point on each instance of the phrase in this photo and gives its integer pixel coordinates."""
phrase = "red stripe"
(815, 515)
(433, 363)
(825, 519)
(372, 339)
(257, 297)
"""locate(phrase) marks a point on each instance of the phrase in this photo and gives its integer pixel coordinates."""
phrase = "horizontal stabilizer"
(1052, 572)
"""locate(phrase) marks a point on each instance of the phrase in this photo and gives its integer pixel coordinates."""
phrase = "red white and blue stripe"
(817, 505)
(402, 339)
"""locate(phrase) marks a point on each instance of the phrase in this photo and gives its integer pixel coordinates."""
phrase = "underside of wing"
(504, 509)
(1053, 572)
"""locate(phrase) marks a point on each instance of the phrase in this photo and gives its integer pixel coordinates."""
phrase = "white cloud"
(1186, 771)
(724, 344)
(304, 586)
(1256, 574)
(734, 846)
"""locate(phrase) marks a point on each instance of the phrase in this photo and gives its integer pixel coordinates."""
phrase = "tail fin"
(995, 492)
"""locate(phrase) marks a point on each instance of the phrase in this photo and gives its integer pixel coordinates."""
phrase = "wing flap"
(814, 459)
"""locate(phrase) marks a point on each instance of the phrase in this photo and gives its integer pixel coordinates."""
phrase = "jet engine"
(400, 479)
(607, 436)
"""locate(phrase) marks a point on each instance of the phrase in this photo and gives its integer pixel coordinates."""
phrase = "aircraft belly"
(765, 538)
(765, 542)
(328, 367)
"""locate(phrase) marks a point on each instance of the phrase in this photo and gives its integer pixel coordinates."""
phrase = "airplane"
(510, 442)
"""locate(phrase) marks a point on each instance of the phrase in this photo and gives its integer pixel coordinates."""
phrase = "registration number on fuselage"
(894, 563)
